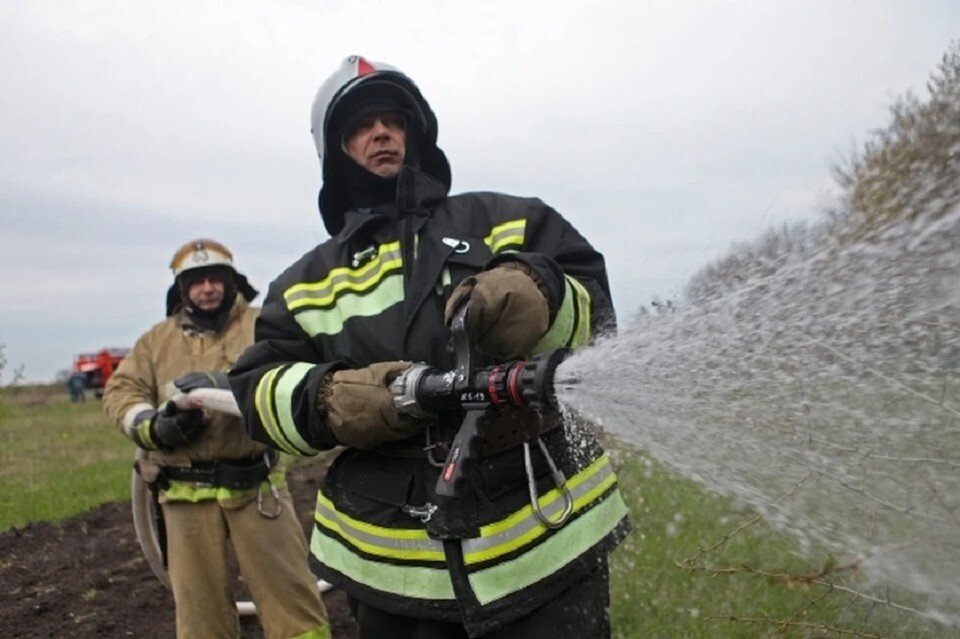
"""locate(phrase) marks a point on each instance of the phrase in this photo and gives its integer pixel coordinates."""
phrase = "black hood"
(345, 183)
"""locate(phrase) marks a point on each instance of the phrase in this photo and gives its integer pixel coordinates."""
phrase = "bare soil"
(86, 577)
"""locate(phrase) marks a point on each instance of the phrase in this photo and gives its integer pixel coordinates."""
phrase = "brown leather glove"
(359, 409)
(507, 312)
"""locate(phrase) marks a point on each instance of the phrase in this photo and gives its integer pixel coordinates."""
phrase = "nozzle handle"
(462, 456)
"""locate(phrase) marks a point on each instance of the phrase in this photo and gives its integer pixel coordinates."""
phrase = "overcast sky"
(663, 130)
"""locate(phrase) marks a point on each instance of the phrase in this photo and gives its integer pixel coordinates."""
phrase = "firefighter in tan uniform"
(213, 481)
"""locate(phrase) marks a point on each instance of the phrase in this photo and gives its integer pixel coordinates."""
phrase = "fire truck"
(98, 367)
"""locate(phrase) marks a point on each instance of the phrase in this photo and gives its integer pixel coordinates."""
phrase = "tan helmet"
(200, 254)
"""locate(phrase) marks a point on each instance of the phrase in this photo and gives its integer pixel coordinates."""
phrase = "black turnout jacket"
(376, 292)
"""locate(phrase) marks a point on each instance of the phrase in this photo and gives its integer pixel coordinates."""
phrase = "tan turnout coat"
(172, 348)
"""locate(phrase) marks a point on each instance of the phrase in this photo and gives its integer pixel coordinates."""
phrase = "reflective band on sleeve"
(329, 321)
(274, 403)
(582, 328)
(571, 541)
(523, 527)
(416, 582)
(409, 544)
(344, 280)
(571, 327)
(508, 235)
(128, 417)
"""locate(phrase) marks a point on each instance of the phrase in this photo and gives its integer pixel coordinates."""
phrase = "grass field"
(59, 459)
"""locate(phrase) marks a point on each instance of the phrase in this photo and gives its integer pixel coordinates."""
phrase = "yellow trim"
(330, 321)
(526, 513)
(411, 534)
(195, 492)
(320, 632)
(416, 582)
(506, 234)
(383, 268)
(581, 336)
(263, 401)
(570, 542)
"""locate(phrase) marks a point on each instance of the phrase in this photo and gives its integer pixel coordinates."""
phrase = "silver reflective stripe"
(415, 582)
(131, 414)
(571, 327)
(330, 321)
(411, 544)
(538, 563)
(524, 527)
(582, 301)
(508, 234)
(344, 280)
(283, 399)
(281, 430)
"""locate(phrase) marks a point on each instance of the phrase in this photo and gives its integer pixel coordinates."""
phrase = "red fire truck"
(98, 367)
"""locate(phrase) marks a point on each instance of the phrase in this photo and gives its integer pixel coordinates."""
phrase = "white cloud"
(664, 130)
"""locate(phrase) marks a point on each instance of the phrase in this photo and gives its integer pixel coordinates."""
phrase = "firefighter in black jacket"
(351, 315)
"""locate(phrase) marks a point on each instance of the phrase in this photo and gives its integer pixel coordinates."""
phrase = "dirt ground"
(86, 577)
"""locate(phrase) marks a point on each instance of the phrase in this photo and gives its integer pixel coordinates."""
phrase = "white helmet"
(200, 254)
(356, 82)
(361, 84)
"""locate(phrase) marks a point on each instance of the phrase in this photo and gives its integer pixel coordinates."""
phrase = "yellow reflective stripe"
(345, 279)
(506, 234)
(330, 321)
(321, 632)
(263, 402)
(571, 327)
(143, 434)
(193, 492)
(283, 400)
(559, 332)
(411, 544)
(274, 396)
(523, 527)
(564, 546)
(581, 333)
(418, 582)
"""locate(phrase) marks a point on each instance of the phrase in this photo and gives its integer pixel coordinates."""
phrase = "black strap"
(236, 474)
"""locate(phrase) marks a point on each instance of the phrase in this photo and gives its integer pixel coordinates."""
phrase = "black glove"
(202, 379)
(168, 429)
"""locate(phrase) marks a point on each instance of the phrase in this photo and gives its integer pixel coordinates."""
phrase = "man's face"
(378, 142)
(206, 293)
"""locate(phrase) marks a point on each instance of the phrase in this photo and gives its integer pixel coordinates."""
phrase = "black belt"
(236, 474)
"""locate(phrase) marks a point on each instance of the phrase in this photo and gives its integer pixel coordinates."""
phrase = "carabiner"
(423, 513)
(276, 499)
(430, 446)
(558, 479)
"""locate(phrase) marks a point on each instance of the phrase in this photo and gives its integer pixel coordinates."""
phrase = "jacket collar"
(183, 319)
(417, 192)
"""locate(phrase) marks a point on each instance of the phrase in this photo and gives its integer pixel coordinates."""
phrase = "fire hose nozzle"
(422, 389)
(537, 379)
